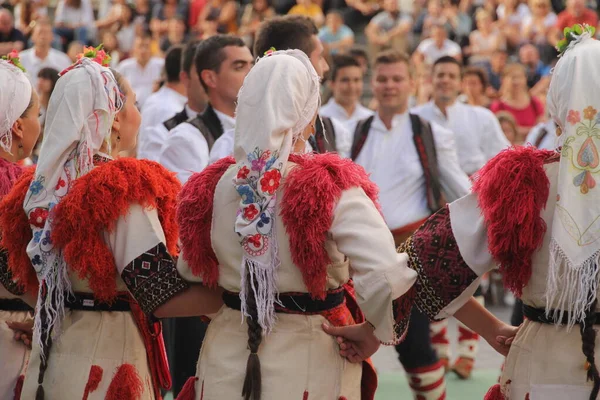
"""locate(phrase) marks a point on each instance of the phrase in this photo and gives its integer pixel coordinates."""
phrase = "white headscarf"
(15, 96)
(80, 116)
(574, 104)
(279, 99)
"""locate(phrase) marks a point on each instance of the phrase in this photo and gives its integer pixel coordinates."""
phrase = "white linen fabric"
(15, 95)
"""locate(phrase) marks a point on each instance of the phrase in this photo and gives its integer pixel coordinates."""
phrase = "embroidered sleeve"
(152, 278)
(443, 275)
(6, 277)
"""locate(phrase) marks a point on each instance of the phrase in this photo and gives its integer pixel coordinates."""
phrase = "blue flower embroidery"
(46, 241)
(36, 260)
(37, 236)
(36, 187)
(264, 219)
(247, 194)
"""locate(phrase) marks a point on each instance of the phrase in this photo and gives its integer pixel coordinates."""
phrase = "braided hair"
(46, 344)
(588, 338)
(253, 380)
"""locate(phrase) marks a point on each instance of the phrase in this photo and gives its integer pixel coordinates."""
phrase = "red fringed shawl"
(310, 192)
(9, 173)
(16, 233)
(512, 190)
(93, 206)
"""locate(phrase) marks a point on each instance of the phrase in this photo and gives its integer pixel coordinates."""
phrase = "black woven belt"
(539, 315)
(14, 305)
(86, 302)
(294, 303)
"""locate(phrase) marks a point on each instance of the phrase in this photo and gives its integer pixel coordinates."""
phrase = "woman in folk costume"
(99, 233)
(19, 131)
(282, 231)
(536, 213)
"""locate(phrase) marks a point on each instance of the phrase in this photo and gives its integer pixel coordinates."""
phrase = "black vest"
(425, 144)
(209, 125)
(175, 120)
(323, 140)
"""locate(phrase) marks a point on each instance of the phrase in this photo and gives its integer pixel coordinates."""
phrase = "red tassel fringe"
(305, 395)
(16, 233)
(93, 381)
(512, 189)
(9, 173)
(19, 387)
(311, 191)
(188, 391)
(96, 201)
(194, 214)
(126, 384)
(495, 393)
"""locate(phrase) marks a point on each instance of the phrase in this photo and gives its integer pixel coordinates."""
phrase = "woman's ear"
(116, 126)
(17, 128)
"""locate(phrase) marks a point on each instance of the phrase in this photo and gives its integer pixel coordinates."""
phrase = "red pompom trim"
(93, 206)
(194, 214)
(495, 393)
(512, 190)
(125, 385)
(19, 387)
(188, 391)
(93, 380)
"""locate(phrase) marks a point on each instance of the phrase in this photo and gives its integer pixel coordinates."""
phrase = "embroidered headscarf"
(573, 103)
(15, 96)
(80, 115)
(279, 99)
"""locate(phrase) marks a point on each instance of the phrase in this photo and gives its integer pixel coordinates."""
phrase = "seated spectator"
(509, 126)
(112, 47)
(142, 70)
(336, 36)
(575, 13)
(515, 98)
(175, 34)
(511, 14)
(74, 50)
(127, 29)
(459, 18)
(113, 18)
(434, 16)
(389, 29)
(308, 8)
(142, 15)
(253, 15)
(359, 12)
(26, 13)
(496, 69)
(438, 45)
(72, 20)
(10, 37)
(485, 40)
(536, 27)
(162, 12)
(474, 87)
(535, 69)
(218, 16)
(42, 55)
(194, 12)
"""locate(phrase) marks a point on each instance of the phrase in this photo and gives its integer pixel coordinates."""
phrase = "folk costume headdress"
(574, 104)
(15, 95)
(279, 99)
(80, 115)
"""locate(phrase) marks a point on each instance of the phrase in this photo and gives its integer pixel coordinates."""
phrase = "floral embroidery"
(243, 172)
(250, 212)
(246, 193)
(573, 117)
(37, 217)
(581, 148)
(61, 183)
(256, 245)
(37, 186)
(46, 240)
(589, 113)
(270, 181)
(36, 260)
(37, 236)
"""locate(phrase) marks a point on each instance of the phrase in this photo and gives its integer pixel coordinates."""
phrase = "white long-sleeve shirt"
(141, 79)
(333, 110)
(55, 59)
(549, 141)
(477, 132)
(391, 159)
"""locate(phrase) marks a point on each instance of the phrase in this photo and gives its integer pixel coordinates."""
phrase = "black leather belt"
(294, 303)
(14, 305)
(86, 302)
(539, 315)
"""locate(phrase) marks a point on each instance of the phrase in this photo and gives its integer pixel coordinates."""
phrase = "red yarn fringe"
(126, 384)
(188, 391)
(19, 387)
(310, 193)
(9, 173)
(194, 214)
(93, 381)
(94, 204)
(16, 233)
(495, 393)
(512, 189)
(305, 395)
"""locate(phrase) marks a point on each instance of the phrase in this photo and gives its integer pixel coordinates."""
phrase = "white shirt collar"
(227, 121)
(190, 113)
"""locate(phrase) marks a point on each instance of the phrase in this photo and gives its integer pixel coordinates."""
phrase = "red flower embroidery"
(37, 217)
(250, 212)
(254, 240)
(573, 117)
(270, 181)
(243, 173)
(61, 183)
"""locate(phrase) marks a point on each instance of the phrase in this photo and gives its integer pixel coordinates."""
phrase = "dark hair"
(358, 51)
(210, 54)
(187, 60)
(447, 60)
(173, 63)
(253, 380)
(341, 61)
(286, 33)
(479, 73)
(588, 345)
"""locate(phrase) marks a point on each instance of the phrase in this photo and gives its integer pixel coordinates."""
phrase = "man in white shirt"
(222, 63)
(346, 83)
(165, 102)
(414, 163)
(543, 135)
(437, 46)
(142, 70)
(42, 55)
(477, 132)
(152, 139)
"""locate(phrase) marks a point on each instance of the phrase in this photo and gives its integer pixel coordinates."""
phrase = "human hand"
(23, 331)
(357, 342)
(501, 337)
